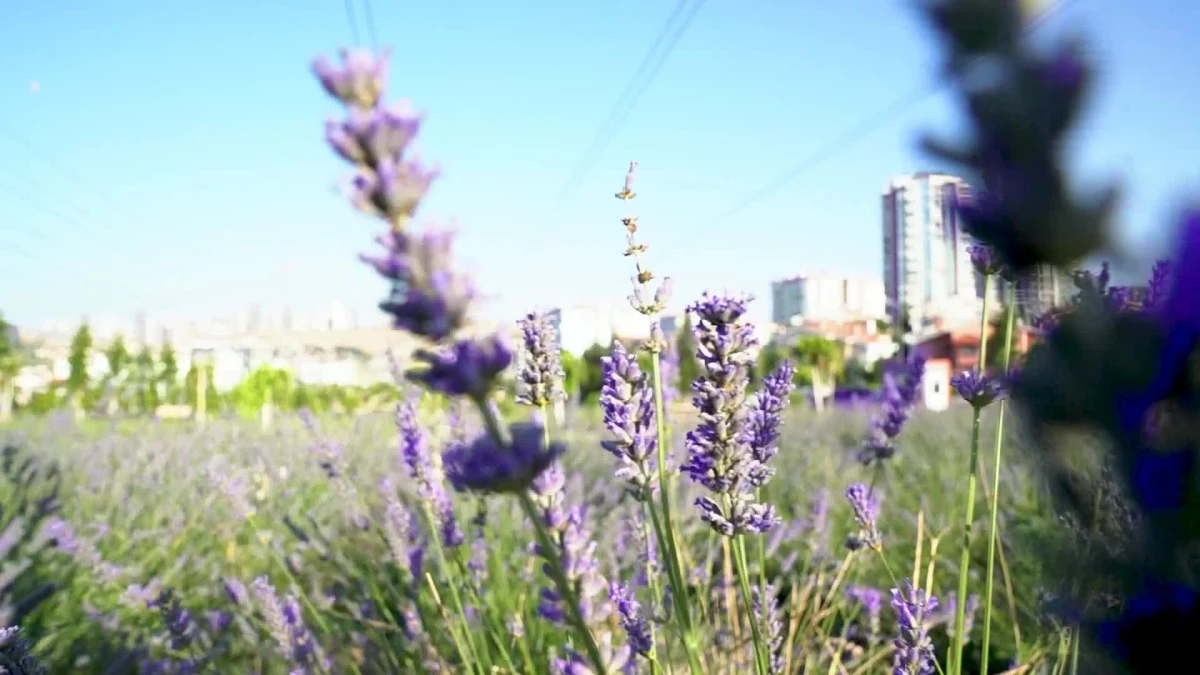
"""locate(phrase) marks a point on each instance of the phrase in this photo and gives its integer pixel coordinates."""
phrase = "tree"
(10, 367)
(822, 361)
(573, 368)
(770, 357)
(169, 373)
(117, 355)
(147, 381)
(592, 379)
(685, 347)
(77, 360)
(264, 385)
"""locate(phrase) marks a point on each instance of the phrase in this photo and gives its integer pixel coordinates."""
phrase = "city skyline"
(88, 228)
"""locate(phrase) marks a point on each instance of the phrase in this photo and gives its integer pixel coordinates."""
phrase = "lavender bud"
(977, 389)
(541, 374)
(486, 466)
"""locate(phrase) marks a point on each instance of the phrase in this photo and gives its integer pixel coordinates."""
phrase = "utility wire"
(349, 5)
(664, 43)
(849, 138)
(369, 19)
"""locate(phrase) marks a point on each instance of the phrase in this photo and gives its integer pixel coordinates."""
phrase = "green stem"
(440, 554)
(960, 612)
(989, 579)
(674, 567)
(566, 590)
(739, 561)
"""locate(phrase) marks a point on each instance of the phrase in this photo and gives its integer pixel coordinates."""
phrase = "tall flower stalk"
(662, 518)
(722, 452)
(432, 301)
(977, 391)
(993, 527)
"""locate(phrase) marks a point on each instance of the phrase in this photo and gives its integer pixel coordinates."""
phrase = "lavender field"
(225, 513)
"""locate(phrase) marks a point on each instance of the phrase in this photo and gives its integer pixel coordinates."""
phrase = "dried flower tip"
(630, 224)
(627, 192)
(361, 80)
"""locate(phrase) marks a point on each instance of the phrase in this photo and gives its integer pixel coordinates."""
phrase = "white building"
(926, 267)
(580, 327)
(827, 297)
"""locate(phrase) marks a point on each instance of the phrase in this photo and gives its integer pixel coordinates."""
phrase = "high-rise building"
(927, 271)
(826, 297)
(1042, 289)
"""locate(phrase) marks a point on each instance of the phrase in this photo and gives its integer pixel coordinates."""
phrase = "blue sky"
(172, 157)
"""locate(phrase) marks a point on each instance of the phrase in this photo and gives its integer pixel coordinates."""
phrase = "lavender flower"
(541, 375)
(766, 416)
(871, 602)
(977, 389)
(767, 614)
(401, 533)
(900, 390)
(865, 506)
(719, 453)
(1020, 121)
(968, 615)
(636, 628)
(361, 80)
(486, 466)
(1159, 285)
(285, 622)
(466, 368)
(913, 647)
(627, 400)
(430, 298)
(15, 658)
(984, 259)
(576, 552)
(430, 484)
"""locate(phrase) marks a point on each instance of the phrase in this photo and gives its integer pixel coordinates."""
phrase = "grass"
(146, 494)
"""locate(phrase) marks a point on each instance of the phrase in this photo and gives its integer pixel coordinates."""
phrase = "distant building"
(580, 327)
(826, 297)
(1044, 288)
(926, 266)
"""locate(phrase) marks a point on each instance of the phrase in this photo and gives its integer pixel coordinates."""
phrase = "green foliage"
(685, 347)
(264, 385)
(117, 355)
(593, 374)
(77, 360)
(819, 355)
(169, 373)
(573, 372)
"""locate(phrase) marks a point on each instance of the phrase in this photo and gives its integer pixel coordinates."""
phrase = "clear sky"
(169, 155)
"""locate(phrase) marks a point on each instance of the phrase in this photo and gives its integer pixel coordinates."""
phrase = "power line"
(666, 40)
(369, 19)
(849, 138)
(349, 5)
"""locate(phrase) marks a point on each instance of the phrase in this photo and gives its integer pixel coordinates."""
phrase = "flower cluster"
(1020, 119)
(541, 373)
(575, 550)
(901, 387)
(865, 506)
(641, 299)
(720, 454)
(627, 400)
(913, 647)
(431, 486)
(976, 388)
